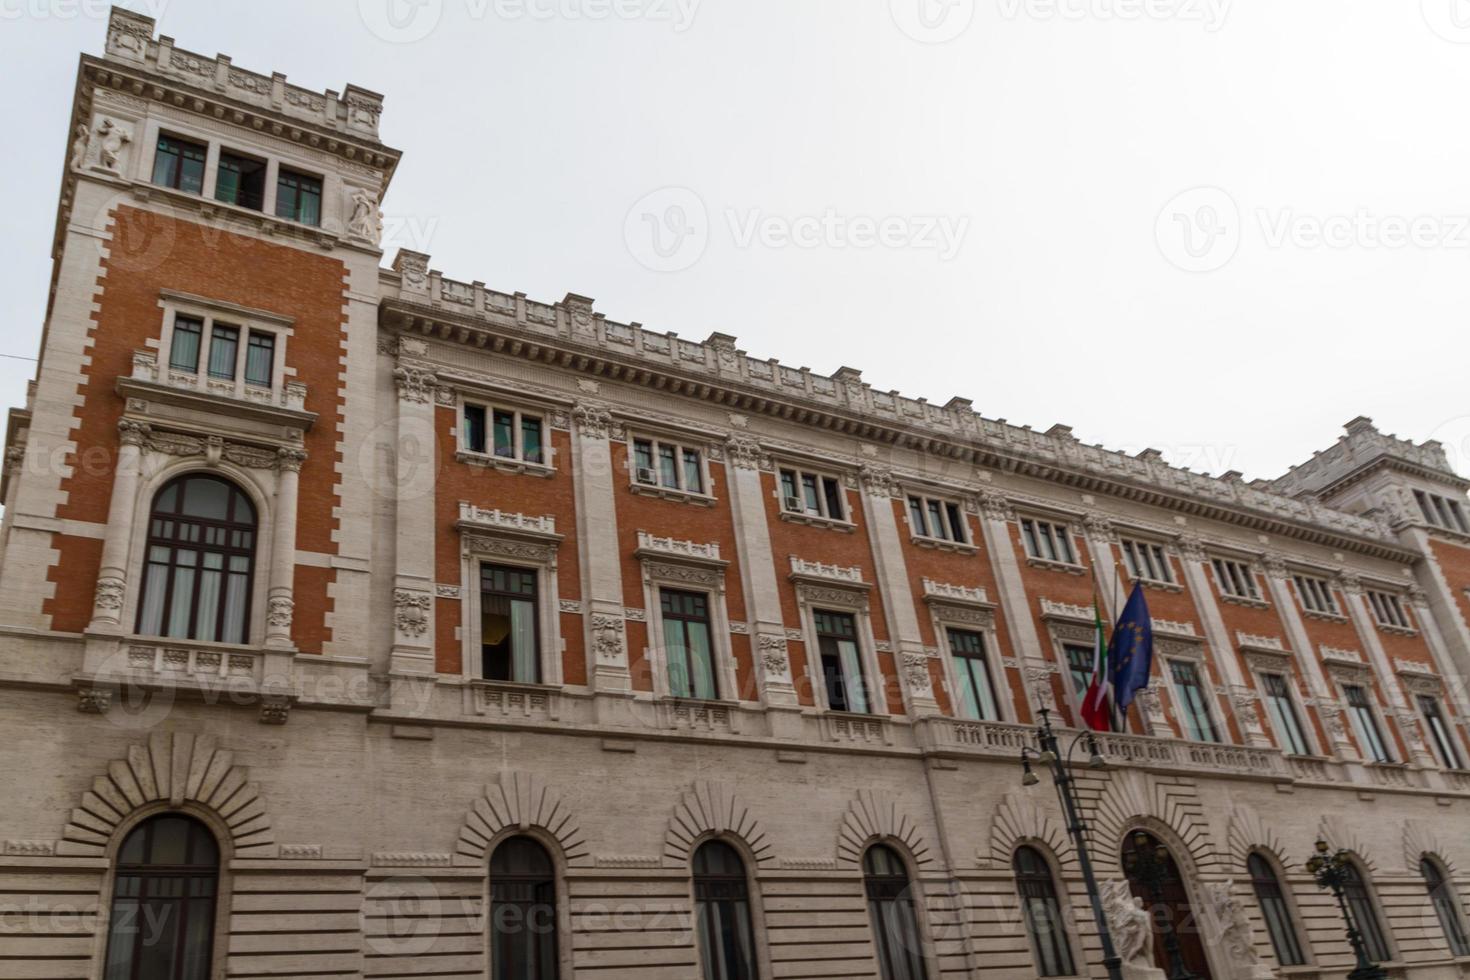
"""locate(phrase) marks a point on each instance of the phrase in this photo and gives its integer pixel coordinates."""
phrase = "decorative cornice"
(849, 575)
(475, 519)
(651, 545)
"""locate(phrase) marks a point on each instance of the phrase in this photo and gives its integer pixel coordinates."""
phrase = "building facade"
(364, 622)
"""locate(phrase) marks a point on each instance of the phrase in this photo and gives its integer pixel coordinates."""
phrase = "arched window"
(891, 907)
(201, 553)
(1043, 913)
(163, 898)
(523, 942)
(1445, 906)
(722, 910)
(1275, 911)
(1365, 915)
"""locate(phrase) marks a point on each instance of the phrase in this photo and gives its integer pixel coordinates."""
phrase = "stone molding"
(1132, 799)
(520, 801)
(714, 809)
(1246, 831)
(873, 817)
(1018, 820)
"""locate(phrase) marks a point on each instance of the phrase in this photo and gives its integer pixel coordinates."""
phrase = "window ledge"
(940, 544)
(1398, 630)
(1070, 568)
(672, 493)
(816, 520)
(1240, 600)
(504, 464)
(1159, 584)
(512, 699)
(1325, 617)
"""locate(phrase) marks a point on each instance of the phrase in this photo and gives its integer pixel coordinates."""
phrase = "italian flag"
(1097, 705)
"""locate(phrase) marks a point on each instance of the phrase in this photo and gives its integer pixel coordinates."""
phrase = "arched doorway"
(1140, 848)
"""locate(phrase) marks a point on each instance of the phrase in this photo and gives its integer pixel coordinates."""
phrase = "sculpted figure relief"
(1132, 929)
(1232, 932)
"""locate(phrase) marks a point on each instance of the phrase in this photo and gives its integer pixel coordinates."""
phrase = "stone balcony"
(288, 395)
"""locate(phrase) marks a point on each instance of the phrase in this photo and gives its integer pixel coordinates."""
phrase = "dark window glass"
(687, 640)
(179, 164)
(810, 495)
(1366, 724)
(1439, 731)
(1365, 915)
(916, 514)
(977, 695)
(224, 351)
(891, 912)
(1043, 914)
(1079, 665)
(832, 496)
(1446, 907)
(842, 672)
(183, 353)
(643, 461)
(241, 181)
(693, 474)
(523, 942)
(260, 359)
(1284, 718)
(1199, 725)
(201, 551)
(956, 522)
(509, 645)
(299, 197)
(1275, 911)
(505, 434)
(531, 439)
(163, 902)
(668, 466)
(474, 428)
(722, 913)
(789, 492)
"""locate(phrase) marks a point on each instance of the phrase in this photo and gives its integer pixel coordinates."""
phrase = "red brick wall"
(151, 252)
(1060, 586)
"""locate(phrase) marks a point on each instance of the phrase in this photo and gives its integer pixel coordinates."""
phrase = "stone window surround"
(1066, 630)
(491, 401)
(1261, 661)
(854, 599)
(1325, 579)
(700, 443)
(1192, 652)
(659, 570)
(1250, 563)
(978, 618)
(481, 544)
(968, 546)
(182, 127)
(1404, 602)
(1167, 547)
(814, 466)
(248, 320)
(1068, 522)
(1341, 673)
(1061, 885)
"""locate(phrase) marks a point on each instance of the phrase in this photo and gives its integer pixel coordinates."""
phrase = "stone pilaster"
(1192, 561)
(280, 600)
(1038, 661)
(602, 577)
(1405, 719)
(112, 576)
(413, 577)
(1301, 644)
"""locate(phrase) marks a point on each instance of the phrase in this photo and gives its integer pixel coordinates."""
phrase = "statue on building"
(1231, 932)
(114, 137)
(79, 144)
(366, 221)
(1133, 931)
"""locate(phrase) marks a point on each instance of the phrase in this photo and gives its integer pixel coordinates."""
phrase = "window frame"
(837, 597)
(960, 536)
(289, 171)
(1378, 749)
(1063, 923)
(519, 412)
(1445, 900)
(680, 448)
(560, 898)
(486, 544)
(536, 598)
(1060, 535)
(1390, 612)
(1153, 552)
(1289, 912)
(1235, 581)
(1440, 511)
(209, 314)
(685, 571)
(1441, 736)
(1376, 926)
(910, 898)
(265, 177)
(666, 617)
(193, 142)
(825, 482)
(754, 910)
(1207, 698)
(1293, 704)
(1315, 598)
(990, 665)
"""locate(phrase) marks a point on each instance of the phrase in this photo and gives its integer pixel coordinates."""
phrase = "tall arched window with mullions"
(891, 908)
(1275, 911)
(1360, 900)
(722, 910)
(161, 926)
(1446, 906)
(199, 562)
(1043, 913)
(523, 934)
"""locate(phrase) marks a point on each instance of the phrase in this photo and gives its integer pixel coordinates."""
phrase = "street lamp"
(1049, 754)
(1150, 866)
(1332, 870)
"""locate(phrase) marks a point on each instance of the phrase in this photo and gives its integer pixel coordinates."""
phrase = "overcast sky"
(1219, 229)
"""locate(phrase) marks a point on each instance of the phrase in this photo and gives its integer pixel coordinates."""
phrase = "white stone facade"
(357, 767)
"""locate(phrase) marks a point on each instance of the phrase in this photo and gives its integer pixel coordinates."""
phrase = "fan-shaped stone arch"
(1018, 819)
(1336, 832)
(1132, 796)
(1247, 832)
(1420, 838)
(174, 768)
(520, 801)
(714, 808)
(873, 814)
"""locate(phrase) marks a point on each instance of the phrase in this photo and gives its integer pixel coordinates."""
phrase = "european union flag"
(1131, 653)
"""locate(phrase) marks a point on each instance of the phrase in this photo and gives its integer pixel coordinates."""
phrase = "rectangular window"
(1146, 560)
(1439, 731)
(1048, 541)
(1316, 595)
(659, 463)
(179, 164)
(1388, 609)
(260, 358)
(299, 197)
(813, 494)
(1079, 665)
(1235, 579)
(1442, 511)
(1284, 719)
(976, 694)
(842, 671)
(1194, 707)
(183, 354)
(1365, 724)
(240, 181)
(474, 428)
(937, 519)
(508, 632)
(224, 351)
(687, 640)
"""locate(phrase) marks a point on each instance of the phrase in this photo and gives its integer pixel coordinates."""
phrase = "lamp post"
(1332, 869)
(1049, 754)
(1150, 865)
